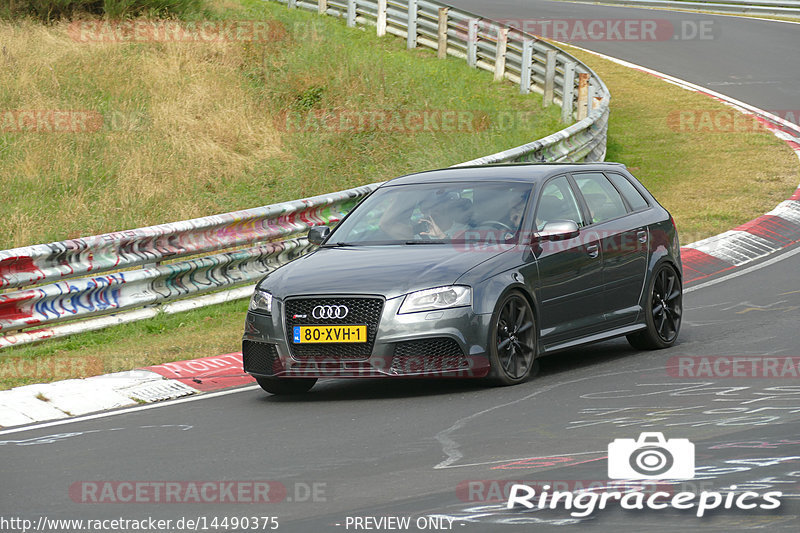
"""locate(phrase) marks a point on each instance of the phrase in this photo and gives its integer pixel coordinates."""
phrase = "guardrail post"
(381, 18)
(568, 93)
(590, 97)
(549, 77)
(583, 94)
(472, 43)
(500, 56)
(411, 41)
(292, 4)
(351, 13)
(442, 52)
(322, 6)
(525, 71)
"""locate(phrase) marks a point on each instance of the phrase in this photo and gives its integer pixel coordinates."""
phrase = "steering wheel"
(498, 225)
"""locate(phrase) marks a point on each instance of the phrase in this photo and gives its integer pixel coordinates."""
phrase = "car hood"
(386, 270)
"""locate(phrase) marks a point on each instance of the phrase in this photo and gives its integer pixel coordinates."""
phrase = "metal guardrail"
(73, 297)
(787, 8)
(63, 281)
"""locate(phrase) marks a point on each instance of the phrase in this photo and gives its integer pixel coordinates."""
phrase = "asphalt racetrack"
(442, 452)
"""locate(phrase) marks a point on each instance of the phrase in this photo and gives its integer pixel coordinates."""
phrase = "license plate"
(304, 334)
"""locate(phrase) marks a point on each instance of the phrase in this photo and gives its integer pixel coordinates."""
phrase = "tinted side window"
(557, 203)
(601, 197)
(631, 194)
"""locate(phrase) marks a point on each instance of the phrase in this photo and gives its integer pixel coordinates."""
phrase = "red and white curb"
(50, 401)
(206, 374)
(755, 239)
(75, 397)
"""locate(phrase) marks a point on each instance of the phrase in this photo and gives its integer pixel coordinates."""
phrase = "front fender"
(494, 288)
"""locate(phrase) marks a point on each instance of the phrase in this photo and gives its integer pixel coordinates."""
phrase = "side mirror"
(559, 230)
(318, 234)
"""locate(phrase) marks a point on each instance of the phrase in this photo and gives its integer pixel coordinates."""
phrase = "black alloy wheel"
(513, 341)
(664, 308)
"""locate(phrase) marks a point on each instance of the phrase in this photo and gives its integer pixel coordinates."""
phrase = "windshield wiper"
(427, 242)
(337, 245)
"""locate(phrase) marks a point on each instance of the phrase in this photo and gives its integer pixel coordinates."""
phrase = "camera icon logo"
(651, 457)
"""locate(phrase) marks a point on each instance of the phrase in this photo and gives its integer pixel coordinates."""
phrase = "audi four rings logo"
(329, 311)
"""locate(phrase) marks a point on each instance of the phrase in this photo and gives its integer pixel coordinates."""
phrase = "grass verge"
(50, 10)
(178, 130)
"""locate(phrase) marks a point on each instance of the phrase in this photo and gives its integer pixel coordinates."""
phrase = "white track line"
(743, 271)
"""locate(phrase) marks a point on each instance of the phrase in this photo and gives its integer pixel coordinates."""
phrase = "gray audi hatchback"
(470, 272)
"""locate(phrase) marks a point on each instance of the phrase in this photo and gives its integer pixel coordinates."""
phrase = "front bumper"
(444, 343)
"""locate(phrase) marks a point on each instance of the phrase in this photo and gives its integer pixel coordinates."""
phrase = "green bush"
(49, 10)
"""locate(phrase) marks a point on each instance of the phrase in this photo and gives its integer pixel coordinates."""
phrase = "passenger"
(444, 216)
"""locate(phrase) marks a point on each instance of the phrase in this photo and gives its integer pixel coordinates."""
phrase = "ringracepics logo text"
(587, 502)
(651, 457)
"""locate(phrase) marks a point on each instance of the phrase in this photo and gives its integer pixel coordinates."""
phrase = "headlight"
(438, 298)
(261, 301)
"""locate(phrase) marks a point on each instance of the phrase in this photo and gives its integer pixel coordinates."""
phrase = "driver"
(444, 219)
(516, 212)
(507, 228)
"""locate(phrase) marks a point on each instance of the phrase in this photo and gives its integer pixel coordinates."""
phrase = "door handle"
(642, 236)
(593, 250)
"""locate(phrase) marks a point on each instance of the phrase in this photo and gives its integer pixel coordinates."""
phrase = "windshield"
(436, 213)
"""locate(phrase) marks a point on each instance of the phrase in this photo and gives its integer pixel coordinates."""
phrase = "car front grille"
(440, 353)
(361, 311)
(260, 358)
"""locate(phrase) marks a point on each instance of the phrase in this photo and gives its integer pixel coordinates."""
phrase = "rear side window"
(631, 194)
(601, 197)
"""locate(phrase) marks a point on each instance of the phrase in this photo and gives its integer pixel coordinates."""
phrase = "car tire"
(663, 311)
(285, 386)
(513, 341)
